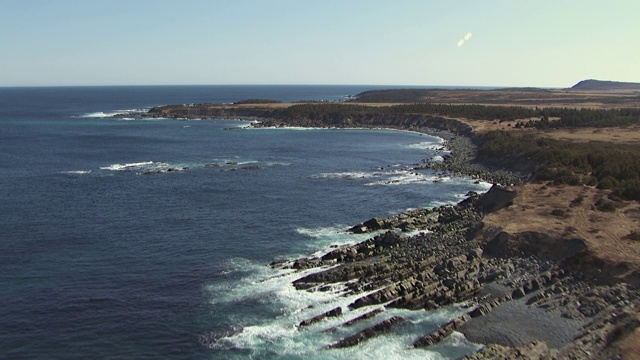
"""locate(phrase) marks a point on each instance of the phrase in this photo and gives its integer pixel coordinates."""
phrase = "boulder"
(495, 199)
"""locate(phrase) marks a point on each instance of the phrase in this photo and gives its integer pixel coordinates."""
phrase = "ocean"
(134, 239)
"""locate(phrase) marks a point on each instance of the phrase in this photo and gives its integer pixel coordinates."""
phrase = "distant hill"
(605, 85)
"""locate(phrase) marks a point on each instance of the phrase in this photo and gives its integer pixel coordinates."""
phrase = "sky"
(542, 43)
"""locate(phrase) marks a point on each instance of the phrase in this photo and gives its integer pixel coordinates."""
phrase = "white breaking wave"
(246, 124)
(321, 232)
(107, 114)
(437, 159)
(99, 114)
(403, 177)
(427, 145)
(416, 232)
(144, 167)
(226, 162)
(327, 238)
(247, 162)
(129, 166)
(351, 175)
(292, 128)
(276, 163)
(384, 178)
(477, 185)
(280, 336)
(78, 172)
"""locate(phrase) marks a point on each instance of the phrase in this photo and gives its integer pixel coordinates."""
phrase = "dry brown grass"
(533, 98)
(618, 135)
(559, 212)
(626, 135)
(630, 347)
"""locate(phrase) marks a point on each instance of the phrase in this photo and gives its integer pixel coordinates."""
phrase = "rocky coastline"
(528, 295)
(519, 304)
(460, 162)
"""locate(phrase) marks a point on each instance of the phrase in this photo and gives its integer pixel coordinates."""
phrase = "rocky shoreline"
(522, 302)
(538, 308)
(527, 295)
(460, 162)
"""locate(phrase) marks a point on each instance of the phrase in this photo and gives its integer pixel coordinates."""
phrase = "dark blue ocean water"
(149, 238)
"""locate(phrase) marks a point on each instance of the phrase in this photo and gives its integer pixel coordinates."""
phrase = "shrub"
(605, 205)
(634, 235)
(578, 200)
(608, 182)
(629, 189)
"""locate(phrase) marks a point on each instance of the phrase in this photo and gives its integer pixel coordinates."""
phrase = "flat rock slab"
(513, 323)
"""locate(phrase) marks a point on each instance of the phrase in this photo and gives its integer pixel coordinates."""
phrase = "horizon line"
(377, 85)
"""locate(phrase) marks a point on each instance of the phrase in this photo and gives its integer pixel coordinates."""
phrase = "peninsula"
(547, 262)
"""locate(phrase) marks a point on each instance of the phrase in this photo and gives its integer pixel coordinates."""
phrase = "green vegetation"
(577, 201)
(574, 118)
(605, 205)
(474, 112)
(567, 118)
(634, 235)
(606, 165)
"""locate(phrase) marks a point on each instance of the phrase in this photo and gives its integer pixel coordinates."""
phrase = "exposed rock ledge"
(526, 285)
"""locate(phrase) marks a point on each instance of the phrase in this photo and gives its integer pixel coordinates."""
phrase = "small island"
(547, 262)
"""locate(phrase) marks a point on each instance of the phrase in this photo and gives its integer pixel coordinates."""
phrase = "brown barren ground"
(564, 211)
(537, 98)
(630, 347)
(621, 135)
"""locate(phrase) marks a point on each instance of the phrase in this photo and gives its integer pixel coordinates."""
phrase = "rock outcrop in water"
(456, 260)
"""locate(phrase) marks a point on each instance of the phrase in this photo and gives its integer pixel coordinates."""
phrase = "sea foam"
(348, 175)
(108, 114)
(281, 336)
(144, 167)
(78, 172)
(403, 177)
(130, 166)
(324, 239)
(427, 145)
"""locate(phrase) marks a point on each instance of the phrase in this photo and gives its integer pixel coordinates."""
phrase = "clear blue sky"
(546, 43)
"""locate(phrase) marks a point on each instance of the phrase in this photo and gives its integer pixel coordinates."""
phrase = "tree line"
(601, 164)
(566, 117)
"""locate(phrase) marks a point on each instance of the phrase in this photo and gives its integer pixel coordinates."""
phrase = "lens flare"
(465, 39)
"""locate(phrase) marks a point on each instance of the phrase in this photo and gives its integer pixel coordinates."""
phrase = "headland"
(547, 262)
